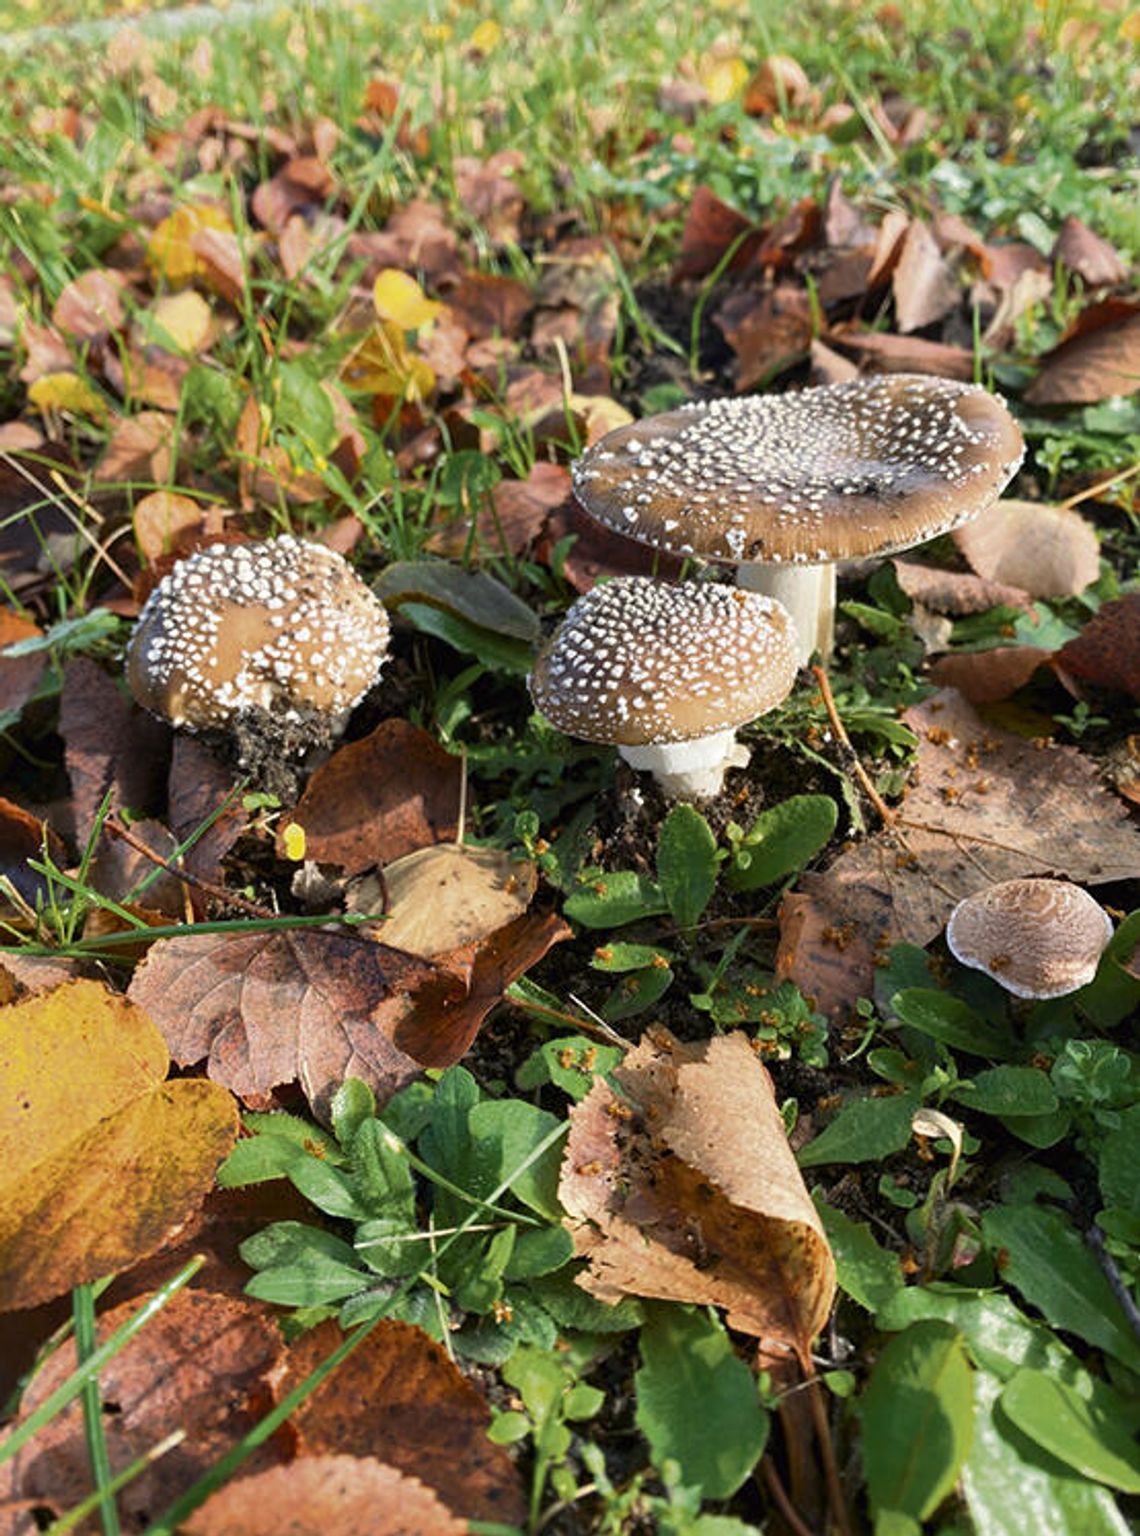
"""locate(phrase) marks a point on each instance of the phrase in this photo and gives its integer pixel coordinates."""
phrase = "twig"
(1101, 485)
(826, 1449)
(219, 893)
(1095, 1239)
(780, 1498)
(888, 816)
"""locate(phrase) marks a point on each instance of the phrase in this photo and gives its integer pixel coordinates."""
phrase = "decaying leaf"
(170, 253)
(1107, 650)
(104, 1158)
(954, 592)
(711, 226)
(139, 451)
(1049, 551)
(1089, 255)
(984, 677)
(984, 806)
(380, 798)
(18, 674)
(166, 523)
(264, 1009)
(447, 896)
(768, 331)
(515, 518)
(681, 1185)
(400, 1398)
(203, 1365)
(110, 744)
(1098, 357)
(924, 287)
(91, 305)
(23, 837)
(332, 1495)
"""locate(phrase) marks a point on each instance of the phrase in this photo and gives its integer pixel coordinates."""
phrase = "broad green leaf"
(918, 1420)
(1041, 1253)
(539, 1253)
(636, 992)
(353, 1103)
(609, 900)
(1011, 1091)
(1119, 1158)
(312, 1138)
(628, 957)
(999, 1337)
(1070, 1428)
(472, 596)
(504, 1133)
(480, 1285)
(863, 1131)
(870, 1274)
(382, 1173)
(103, 1158)
(572, 1063)
(494, 650)
(291, 1242)
(783, 839)
(697, 1402)
(1040, 1131)
(1013, 1489)
(392, 1247)
(686, 864)
(572, 1307)
(314, 1282)
(949, 1020)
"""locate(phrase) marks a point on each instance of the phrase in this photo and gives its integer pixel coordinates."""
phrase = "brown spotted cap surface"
(847, 470)
(637, 662)
(282, 626)
(1038, 938)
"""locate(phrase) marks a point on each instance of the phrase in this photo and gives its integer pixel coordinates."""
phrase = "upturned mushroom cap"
(847, 470)
(282, 626)
(1037, 938)
(638, 662)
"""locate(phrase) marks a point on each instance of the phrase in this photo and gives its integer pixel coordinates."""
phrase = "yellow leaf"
(382, 365)
(722, 78)
(169, 251)
(400, 299)
(182, 320)
(435, 32)
(103, 1159)
(1130, 27)
(293, 841)
(66, 392)
(487, 36)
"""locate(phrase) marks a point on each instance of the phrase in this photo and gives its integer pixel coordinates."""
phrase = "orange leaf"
(170, 250)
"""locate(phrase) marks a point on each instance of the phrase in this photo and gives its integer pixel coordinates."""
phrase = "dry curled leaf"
(984, 805)
(682, 1185)
(954, 592)
(1088, 255)
(104, 1158)
(768, 331)
(711, 227)
(1049, 551)
(18, 674)
(446, 896)
(1107, 650)
(400, 1398)
(1098, 357)
(91, 305)
(925, 288)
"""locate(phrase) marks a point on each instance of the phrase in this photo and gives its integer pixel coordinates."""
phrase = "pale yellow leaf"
(400, 300)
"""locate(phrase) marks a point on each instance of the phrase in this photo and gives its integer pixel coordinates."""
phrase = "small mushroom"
(1037, 938)
(666, 674)
(783, 486)
(282, 631)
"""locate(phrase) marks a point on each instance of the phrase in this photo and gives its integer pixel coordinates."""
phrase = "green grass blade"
(83, 1310)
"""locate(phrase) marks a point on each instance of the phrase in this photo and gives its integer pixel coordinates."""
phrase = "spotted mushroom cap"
(847, 470)
(282, 626)
(637, 662)
(1037, 938)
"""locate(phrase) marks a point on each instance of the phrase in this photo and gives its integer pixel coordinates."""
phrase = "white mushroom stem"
(807, 592)
(689, 770)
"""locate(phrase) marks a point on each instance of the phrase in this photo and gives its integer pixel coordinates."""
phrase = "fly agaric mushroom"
(783, 486)
(280, 631)
(1037, 938)
(666, 674)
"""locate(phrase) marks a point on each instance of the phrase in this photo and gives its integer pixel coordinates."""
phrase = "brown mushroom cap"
(868, 467)
(1038, 938)
(282, 626)
(638, 662)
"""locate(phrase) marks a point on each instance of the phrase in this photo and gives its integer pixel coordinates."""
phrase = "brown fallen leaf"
(487, 304)
(711, 226)
(955, 592)
(269, 1008)
(598, 552)
(199, 784)
(139, 451)
(984, 805)
(104, 1159)
(417, 237)
(334, 1495)
(888, 246)
(1098, 357)
(1049, 551)
(1087, 254)
(779, 85)
(302, 182)
(380, 798)
(924, 286)
(109, 744)
(515, 518)
(18, 674)
(985, 677)
(446, 896)
(222, 262)
(23, 837)
(769, 332)
(166, 523)
(400, 1398)
(203, 1365)
(889, 353)
(1107, 650)
(681, 1185)
(90, 307)
(488, 191)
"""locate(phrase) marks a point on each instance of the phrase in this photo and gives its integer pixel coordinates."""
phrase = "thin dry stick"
(781, 1500)
(826, 1450)
(873, 795)
(1101, 485)
(219, 893)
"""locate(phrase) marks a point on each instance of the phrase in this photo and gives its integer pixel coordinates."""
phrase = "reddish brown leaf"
(139, 450)
(1049, 551)
(843, 225)
(827, 367)
(487, 305)
(1107, 650)
(377, 799)
(91, 305)
(711, 226)
(23, 837)
(1099, 357)
(47, 352)
(168, 524)
(769, 332)
(984, 806)
(301, 183)
(324, 1496)
(904, 354)
(779, 85)
(30, 974)
(219, 255)
(925, 289)
(985, 677)
(955, 592)
(295, 246)
(597, 552)
(202, 1365)
(109, 744)
(1004, 265)
(844, 277)
(696, 1196)
(1088, 255)
(515, 518)
(199, 783)
(489, 193)
(888, 245)
(417, 238)
(18, 674)
(400, 1397)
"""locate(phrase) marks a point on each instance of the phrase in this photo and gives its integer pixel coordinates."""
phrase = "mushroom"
(783, 486)
(666, 674)
(282, 631)
(1037, 938)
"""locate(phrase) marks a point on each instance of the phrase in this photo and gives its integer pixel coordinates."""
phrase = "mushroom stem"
(807, 592)
(689, 770)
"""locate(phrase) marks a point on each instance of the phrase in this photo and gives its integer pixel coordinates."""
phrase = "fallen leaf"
(1097, 358)
(779, 85)
(710, 228)
(984, 805)
(109, 744)
(381, 364)
(723, 76)
(417, 237)
(597, 552)
(46, 352)
(66, 391)
(446, 897)
(90, 307)
(170, 253)
(23, 837)
(199, 784)
(181, 320)
(221, 262)
(18, 674)
(302, 182)
(202, 1365)
(1049, 551)
(140, 451)
(888, 245)
(168, 524)
(487, 190)
(903, 354)
(515, 518)
(1107, 650)
(680, 1184)
(399, 299)
(1086, 254)
(682, 98)
(955, 592)
(1005, 265)
(769, 332)
(400, 1397)
(333, 1495)
(380, 798)
(986, 677)
(104, 1158)
(32, 974)
(487, 304)
(924, 287)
